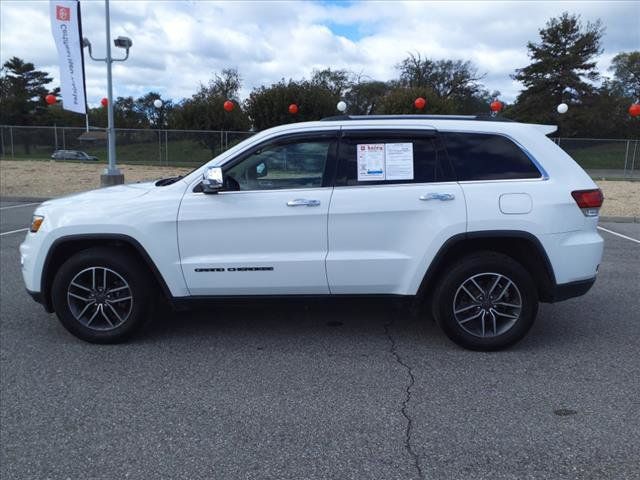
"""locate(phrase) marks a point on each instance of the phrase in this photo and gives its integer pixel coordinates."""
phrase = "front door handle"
(437, 196)
(303, 202)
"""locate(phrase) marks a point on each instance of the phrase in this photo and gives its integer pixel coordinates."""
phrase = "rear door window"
(481, 156)
(425, 153)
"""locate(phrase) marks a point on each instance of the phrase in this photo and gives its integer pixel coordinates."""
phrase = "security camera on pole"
(112, 174)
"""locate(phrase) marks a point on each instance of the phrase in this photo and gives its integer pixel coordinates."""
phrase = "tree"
(400, 101)
(449, 79)
(626, 74)
(22, 92)
(204, 110)
(153, 117)
(364, 96)
(337, 82)
(563, 68)
(226, 85)
(269, 106)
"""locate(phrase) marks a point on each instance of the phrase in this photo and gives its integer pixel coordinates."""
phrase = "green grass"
(180, 153)
(594, 155)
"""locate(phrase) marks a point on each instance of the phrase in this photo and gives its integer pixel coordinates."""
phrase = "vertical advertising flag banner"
(66, 30)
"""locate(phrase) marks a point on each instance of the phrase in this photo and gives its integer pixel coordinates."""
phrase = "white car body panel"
(141, 211)
(249, 229)
(382, 238)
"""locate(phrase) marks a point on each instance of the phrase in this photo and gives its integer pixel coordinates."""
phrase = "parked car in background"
(73, 155)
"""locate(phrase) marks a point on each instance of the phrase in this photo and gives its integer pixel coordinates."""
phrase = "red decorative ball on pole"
(50, 99)
(104, 102)
(495, 106)
(634, 109)
(293, 109)
(420, 103)
(228, 106)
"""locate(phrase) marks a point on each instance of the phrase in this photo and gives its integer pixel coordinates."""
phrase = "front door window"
(282, 166)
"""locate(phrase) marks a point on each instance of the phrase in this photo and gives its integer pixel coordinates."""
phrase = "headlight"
(36, 221)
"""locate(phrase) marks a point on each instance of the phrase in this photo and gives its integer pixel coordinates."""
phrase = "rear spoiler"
(545, 129)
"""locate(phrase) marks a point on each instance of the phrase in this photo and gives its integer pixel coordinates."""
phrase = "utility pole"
(112, 174)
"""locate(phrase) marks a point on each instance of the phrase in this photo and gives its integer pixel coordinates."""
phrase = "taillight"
(589, 201)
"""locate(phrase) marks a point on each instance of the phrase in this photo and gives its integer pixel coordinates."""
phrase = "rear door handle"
(437, 196)
(303, 202)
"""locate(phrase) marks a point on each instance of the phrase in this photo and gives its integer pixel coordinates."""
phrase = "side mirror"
(212, 180)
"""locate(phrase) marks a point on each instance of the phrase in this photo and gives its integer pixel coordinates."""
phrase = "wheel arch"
(64, 247)
(522, 246)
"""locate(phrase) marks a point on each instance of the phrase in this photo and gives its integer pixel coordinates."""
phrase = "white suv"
(478, 219)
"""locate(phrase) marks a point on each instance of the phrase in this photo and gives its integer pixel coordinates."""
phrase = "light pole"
(112, 174)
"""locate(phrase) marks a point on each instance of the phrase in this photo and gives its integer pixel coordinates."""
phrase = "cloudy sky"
(179, 44)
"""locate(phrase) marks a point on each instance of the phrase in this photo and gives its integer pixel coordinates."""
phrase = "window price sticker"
(390, 161)
(370, 162)
(399, 161)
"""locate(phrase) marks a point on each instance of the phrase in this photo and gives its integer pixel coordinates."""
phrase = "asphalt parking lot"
(323, 391)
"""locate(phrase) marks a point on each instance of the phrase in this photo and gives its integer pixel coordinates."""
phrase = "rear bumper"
(565, 291)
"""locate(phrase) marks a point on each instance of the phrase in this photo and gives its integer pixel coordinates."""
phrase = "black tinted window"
(430, 163)
(480, 156)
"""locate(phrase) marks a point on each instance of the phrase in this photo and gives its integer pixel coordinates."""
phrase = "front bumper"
(38, 297)
(565, 291)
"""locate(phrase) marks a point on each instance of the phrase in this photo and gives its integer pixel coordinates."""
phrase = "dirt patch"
(621, 199)
(52, 179)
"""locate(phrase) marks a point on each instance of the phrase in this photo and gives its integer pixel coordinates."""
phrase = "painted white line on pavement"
(618, 234)
(13, 231)
(21, 205)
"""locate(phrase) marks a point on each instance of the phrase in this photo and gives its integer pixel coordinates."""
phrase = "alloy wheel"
(487, 304)
(100, 298)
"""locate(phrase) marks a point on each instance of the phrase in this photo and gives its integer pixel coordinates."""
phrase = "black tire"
(483, 267)
(128, 271)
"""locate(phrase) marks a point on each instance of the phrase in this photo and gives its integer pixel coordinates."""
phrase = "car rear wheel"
(101, 295)
(486, 301)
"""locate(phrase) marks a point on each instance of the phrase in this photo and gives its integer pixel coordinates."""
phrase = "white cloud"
(178, 45)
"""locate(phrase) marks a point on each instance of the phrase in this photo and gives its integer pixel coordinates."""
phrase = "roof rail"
(480, 117)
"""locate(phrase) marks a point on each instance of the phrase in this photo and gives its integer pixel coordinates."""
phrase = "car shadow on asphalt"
(284, 318)
(357, 321)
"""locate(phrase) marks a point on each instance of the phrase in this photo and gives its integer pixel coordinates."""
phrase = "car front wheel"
(101, 295)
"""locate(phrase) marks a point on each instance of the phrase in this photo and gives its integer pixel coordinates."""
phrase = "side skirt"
(201, 301)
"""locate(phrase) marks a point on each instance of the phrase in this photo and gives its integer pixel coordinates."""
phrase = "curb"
(24, 199)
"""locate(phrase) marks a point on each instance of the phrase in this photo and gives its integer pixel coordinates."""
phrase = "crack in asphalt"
(407, 434)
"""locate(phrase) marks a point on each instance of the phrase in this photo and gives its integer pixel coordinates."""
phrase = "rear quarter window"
(482, 156)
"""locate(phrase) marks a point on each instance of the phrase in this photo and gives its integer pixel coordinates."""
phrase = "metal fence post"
(626, 156)
(64, 143)
(4, 153)
(11, 137)
(633, 161)
(166, 147)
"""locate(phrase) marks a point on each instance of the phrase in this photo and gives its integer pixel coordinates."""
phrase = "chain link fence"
(602, 158)
(188, 148)
(605, 158)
